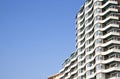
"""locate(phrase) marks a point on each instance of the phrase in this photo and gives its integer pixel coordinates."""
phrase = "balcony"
(114, 78)
(114, 75)
(110, 69)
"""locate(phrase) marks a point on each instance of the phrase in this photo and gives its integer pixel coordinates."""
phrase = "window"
(98, 18)
(113, 65)
(88, 57)
(86, 15)
(87, 1)
(98, 3)
(100, 76)
(99, 57)
(88, 73)
(86, 22)
(98, 41)
(87, 65)
(80, 56)
(87, 50)
(112, 56)
(98, 49)
(98, 67)
(114, 74)
(98, 10)
(98, 26)
(79, 50)
(87, 42)
(79, 71)
(98, 33)
(79, 64)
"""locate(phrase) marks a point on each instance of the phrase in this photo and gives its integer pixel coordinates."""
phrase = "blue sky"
(36, 36)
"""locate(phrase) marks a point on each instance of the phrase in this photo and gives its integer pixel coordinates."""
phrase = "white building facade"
(97, 53)
(98, 39)
(70, 68)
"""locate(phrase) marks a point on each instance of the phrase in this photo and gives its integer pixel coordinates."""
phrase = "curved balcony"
(82, 45)
(103, 21)
(108, 34)
(83, 73)
(74, 65)
(108, 2)
(67, 71)
(104, 36)
(80, 13)
(81, 52)
(88, 3)
(105, 12)
(106, 27)
(82, 66)
(114, 78)
(110, 60)
(108, 18)
(97, 0)
(74, 59)
(67, 65)
(104, 44)
(111, 69)
(80, 26)
(80, 19)
(75, 71)
(90, 22)
(81, 59)
(90, 15)
(80, 39)
(90, 8)
(90, 44)
(92, 27)
(81, 32)
(110, 50)
(90, 37)
(67, 77)
(108, 43)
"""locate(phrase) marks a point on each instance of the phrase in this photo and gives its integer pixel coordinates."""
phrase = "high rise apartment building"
(97, 53)
(70, 67)
(98, 39)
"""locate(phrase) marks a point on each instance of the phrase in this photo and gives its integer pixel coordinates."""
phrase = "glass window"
(112, 56)
(99, 57)
(87, 65)
(98, 33)
(88, 73)
(88, 57)
(79, 71)
(118, 74)
(86, 21)
(100, 76)
(86, 15)
(87, 50)
(79, 64)
(98, 10)
(98, 18)
(98, 3)
(87, 1)
(114, 74)
(80, 56)
(87, 28)
(98, 41)
(87, 42)
(98, 49)
(113, 65)
(98, 26)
